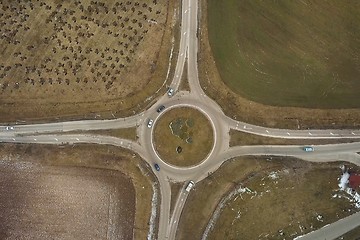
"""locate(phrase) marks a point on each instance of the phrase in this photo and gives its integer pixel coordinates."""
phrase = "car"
(308, 149)
(157, 167)
(150, 123)
(189, 186)
(170, 92)
(162, 107)
(9, 128)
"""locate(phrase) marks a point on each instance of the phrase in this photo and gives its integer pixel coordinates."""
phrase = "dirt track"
(38, 202)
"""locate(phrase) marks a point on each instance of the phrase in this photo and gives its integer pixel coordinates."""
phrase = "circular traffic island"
(183, 136)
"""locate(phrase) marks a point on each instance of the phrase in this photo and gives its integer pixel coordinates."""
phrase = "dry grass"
(240, 138)
(253, 172)
(105, 158)
(192, 153)
(53, 65)
(126, 133)
(184, 84)
(242, 109)
(352, 235)
(308, 58)
(285, 207)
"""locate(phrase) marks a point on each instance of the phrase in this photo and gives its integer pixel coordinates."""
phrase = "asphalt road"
(59, 133)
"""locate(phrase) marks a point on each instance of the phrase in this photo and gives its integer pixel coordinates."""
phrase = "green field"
(288, 53)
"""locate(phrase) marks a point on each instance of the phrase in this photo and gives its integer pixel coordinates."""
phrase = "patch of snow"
(239, 190)
(273, 175)
(355, 196)
(344, 180)
(154, 204)
(319, 218)
(170, 57)
(342, 167)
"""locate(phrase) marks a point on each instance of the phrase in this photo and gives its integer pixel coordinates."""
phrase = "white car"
(150, 123)
(189, 186)
(170, 92)
(9, 128)
(308, 149)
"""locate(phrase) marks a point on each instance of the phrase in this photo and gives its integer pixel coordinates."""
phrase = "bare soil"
(238, 107)
(82, 59)
(83, 179)
(43, 202)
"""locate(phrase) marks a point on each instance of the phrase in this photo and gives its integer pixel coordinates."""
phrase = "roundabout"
(183, 136)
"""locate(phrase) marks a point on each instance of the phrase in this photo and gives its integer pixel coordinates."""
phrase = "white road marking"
(121, 142)
(35, 139)
(310, 133)
(244, 126)
(184, 33)
(353, 133)
(77, 139)
(267, 131)
(13, 139)
(332, 134)
(288, 133)
(56, 139)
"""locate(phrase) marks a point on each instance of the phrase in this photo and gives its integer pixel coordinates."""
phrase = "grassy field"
(238, 138)
(82, 58)
(241, 108)
(127, 133)
(184, 84)
(68, 165)
(280, 191)
(288, 53)
(186, 128)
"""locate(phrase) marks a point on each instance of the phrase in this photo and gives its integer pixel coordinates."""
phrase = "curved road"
(58, 133)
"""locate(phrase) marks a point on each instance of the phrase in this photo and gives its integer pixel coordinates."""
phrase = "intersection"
(58, 133)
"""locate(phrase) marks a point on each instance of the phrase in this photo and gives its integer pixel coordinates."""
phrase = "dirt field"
(241, 108)
(72, 58)
(277, 193)
(68, 203)
(85, 181)
(186, 129)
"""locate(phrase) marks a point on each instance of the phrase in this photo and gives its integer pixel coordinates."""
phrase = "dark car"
(162, 107)
(157, 167)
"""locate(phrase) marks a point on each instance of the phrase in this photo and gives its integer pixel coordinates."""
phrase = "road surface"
(60, 133)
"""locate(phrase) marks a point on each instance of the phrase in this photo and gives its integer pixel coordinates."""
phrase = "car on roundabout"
(157, 167)
(150, 123)
(170, 92)
(160, 108)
